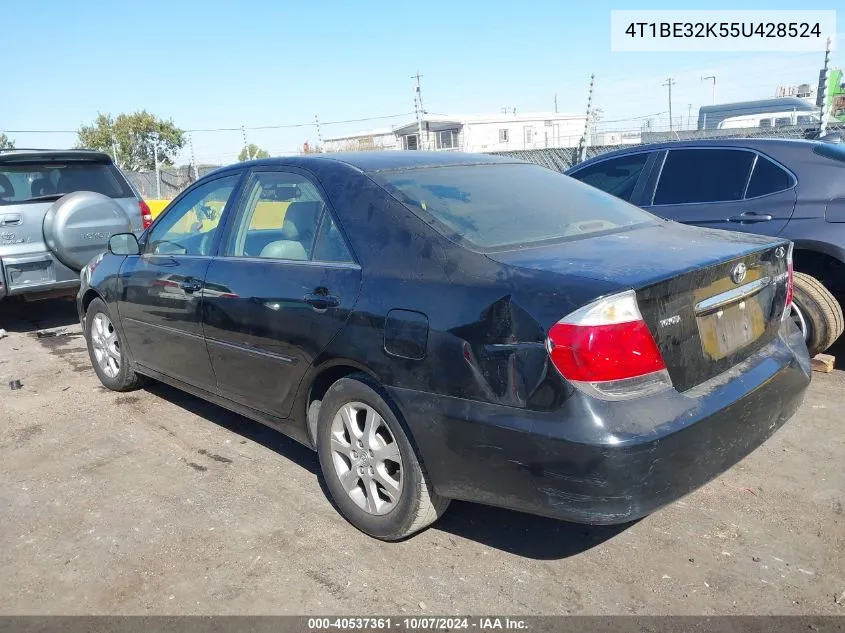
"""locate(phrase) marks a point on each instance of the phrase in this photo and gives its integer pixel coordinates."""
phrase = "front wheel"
(106, 350)
(816, 312)
(370, 467)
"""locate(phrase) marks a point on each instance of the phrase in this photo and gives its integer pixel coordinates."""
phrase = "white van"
(769, 119)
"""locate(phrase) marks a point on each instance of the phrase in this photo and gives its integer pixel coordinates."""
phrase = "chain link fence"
(562, 158)
(174, 180)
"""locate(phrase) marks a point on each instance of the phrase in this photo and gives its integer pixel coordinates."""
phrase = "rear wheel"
(106, 350)
(817, 313)
(370, 467)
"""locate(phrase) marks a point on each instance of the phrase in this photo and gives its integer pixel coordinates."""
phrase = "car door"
(282, 286)
(160, 290)
(622, 176)
(724, 188)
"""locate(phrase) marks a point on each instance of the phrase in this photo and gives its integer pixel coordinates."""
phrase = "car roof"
(761, 144)
(381, 160)
(24, 154)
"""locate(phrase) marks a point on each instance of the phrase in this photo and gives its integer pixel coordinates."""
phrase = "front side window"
(189, 226)
(507, 205)
(616, 176)
(280, 219)
(703, 175)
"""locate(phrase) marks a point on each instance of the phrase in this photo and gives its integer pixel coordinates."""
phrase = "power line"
(241, 128)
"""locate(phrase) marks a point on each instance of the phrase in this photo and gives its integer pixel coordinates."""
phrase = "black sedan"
(448, 326)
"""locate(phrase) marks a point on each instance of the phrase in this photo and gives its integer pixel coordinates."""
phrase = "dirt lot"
(156, 502)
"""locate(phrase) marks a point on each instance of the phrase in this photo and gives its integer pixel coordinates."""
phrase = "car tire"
(817, 313)
(355, 409)
(106, 350)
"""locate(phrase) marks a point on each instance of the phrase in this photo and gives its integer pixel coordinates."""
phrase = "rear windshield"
(33, 182)
(508, 205)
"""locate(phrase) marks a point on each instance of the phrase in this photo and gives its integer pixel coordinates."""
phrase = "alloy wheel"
(366, 458)
(106, 344)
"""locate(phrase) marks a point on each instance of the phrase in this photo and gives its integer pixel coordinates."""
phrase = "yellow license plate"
(731, 328)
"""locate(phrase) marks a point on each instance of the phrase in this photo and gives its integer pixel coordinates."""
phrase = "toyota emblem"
(738, 273)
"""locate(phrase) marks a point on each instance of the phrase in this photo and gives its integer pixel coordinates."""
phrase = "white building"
(471, 133)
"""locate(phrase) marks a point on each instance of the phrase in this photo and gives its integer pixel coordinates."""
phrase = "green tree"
(133, 138)
(6, 142)
(251, 152)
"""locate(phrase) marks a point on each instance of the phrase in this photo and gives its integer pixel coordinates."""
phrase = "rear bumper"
(604, 463)
(35, 273)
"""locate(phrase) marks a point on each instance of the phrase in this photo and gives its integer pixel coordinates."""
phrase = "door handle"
(321, 301)
(190, 285)
(750, 217)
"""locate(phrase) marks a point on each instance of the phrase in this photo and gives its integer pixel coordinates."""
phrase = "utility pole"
(418, 108)
(114, 150)
(670, 82)
(823, 91)
(319, 132)
(555, 103)
(713, 79)
(158, 172)
(418, 76)
(246, 143)
(193, 159)
(582, 144)
(689, 115)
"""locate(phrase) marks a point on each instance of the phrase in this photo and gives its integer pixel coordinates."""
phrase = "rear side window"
(703, 175)
(33, 182)
(617, 176)
(507, 205)
(767, 178)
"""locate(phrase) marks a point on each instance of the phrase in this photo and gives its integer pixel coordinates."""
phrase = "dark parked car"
(447, 326)
(785, 188)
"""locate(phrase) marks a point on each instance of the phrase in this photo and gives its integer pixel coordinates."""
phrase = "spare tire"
(77, 227)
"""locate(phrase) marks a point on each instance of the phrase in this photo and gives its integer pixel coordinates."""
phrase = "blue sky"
(263, 62)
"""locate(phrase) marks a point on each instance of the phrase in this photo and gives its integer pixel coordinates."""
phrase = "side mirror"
(124, 244)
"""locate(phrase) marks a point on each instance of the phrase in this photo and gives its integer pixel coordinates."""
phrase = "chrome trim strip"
(165, 328)
(251, 350)
(714, 303)
(213, 341)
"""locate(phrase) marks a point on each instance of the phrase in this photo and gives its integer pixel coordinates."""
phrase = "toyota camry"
(446, 326)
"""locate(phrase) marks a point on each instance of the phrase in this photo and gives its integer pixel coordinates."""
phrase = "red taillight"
(607, 350)
(146, 215)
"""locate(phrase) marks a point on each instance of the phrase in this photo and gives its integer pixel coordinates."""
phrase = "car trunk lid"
(710, 298)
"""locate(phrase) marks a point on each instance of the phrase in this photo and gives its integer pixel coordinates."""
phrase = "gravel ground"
(155, 502)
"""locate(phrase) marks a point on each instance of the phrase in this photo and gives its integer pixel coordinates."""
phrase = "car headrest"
(6, 188)
(284, 249)
(41, 187)
(304, 216)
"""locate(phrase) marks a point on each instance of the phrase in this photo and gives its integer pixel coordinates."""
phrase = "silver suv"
(57, 212)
